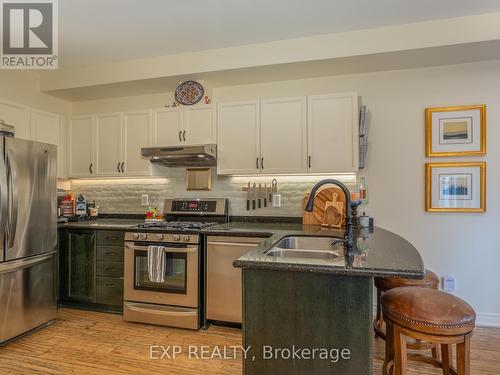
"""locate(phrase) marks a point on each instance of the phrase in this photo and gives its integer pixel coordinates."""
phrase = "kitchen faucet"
(347, 241)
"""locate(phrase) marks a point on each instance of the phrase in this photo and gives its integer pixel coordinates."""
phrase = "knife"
(254, 193)
(275, 186)
(264, 192)
(259, 195)
(248, 197)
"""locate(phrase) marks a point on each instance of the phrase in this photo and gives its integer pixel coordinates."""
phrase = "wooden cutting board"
(316, 216)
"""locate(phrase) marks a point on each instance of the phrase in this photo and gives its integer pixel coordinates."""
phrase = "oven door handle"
(184, 250)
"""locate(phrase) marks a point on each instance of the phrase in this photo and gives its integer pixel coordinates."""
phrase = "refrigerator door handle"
(3, 195)
(11, 170)
(10, 267)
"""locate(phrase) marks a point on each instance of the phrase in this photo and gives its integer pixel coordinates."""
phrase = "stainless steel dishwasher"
(224, 294)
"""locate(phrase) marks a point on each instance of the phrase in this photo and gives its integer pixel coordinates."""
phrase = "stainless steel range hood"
(182, 156)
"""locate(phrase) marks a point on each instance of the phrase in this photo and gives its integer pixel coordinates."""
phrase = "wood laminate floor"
(82, 342)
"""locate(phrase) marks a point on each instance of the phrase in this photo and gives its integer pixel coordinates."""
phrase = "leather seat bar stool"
(383, 284)
(429, 315)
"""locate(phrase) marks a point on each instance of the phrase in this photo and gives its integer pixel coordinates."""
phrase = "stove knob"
(136, 236)
(144, 236)
(176, 237)
(161, 237)
(187, 238)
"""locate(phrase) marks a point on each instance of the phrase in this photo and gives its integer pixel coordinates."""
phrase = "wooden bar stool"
(383, 284)
(429, 315)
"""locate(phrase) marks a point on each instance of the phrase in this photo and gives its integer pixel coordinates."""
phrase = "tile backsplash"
(124, 196)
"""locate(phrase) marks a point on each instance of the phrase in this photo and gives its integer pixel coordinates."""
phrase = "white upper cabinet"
(238, 137)
(198, 125)
(190, 125)
(333, 140)
(167, 126)
(108, 144)
(283, 135)
(48, 127)
(16, 115)
(45, 127)
(80, 147)
(137, 129)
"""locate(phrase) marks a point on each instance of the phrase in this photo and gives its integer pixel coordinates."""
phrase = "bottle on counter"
(363, 194)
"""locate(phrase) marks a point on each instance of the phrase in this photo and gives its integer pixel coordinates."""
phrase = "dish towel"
(157, 265)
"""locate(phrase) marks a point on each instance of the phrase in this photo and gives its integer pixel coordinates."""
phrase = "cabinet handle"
(118, 167)
(309, 158)
(184, 135)
(109, 285)
(257, 163)
(90, 168)
(180, 135)
(111, 269)
(262, 163)
(111, 238)
(122, 167)
(111, 254)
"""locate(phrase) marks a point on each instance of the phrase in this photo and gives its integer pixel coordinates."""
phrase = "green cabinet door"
(78, 266)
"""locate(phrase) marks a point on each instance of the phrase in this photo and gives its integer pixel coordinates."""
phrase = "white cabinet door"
(238, 137)
(108, 144)
(198, 125)
(80, 147)
(47, 127)
(16, 115)
(136, 134)
(283, 134)
(167, 127)
(333, 133)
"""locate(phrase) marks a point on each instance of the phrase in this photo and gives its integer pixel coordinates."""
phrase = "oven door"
(180, 287)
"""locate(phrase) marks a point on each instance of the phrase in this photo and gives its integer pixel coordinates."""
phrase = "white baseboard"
(488, 320)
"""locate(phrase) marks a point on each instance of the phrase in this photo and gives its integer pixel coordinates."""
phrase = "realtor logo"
(29, 34)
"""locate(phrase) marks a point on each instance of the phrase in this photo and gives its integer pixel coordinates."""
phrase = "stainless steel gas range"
(175, 301)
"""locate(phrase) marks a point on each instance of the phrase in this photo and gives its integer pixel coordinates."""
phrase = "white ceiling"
(94, 32)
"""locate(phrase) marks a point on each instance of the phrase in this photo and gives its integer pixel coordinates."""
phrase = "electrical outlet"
(448, 283)
(276, 200)
(145, 200)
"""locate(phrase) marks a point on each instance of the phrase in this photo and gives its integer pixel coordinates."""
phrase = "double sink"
(307, 247)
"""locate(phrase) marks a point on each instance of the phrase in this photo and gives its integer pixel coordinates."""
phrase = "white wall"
(23, 87)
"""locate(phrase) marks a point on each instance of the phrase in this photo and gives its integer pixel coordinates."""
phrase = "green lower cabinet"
(298, 323)
(109, 291)
(91, 269)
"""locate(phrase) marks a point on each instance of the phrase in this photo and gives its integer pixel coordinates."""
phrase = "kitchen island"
(314, 316)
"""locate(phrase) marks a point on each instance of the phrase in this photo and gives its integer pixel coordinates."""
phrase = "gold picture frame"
(463, 172)
(463, 138)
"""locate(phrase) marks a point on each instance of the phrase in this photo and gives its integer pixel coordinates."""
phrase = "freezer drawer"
(27, 295)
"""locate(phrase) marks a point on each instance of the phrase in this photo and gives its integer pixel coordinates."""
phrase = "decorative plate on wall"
(189, 92)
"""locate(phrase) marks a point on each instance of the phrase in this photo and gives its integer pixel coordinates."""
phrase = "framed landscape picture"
(456, 131)
(455, 187)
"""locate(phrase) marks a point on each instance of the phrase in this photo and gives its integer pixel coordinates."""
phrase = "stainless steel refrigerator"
(28, 235)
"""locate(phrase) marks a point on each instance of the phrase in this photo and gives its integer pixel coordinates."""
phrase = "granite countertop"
(251, 229)
(377, 253)
(120, 224)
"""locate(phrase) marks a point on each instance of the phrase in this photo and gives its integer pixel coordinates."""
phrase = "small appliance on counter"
(81, 206)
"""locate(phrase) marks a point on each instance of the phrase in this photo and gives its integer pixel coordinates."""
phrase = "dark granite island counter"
(314, 316)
